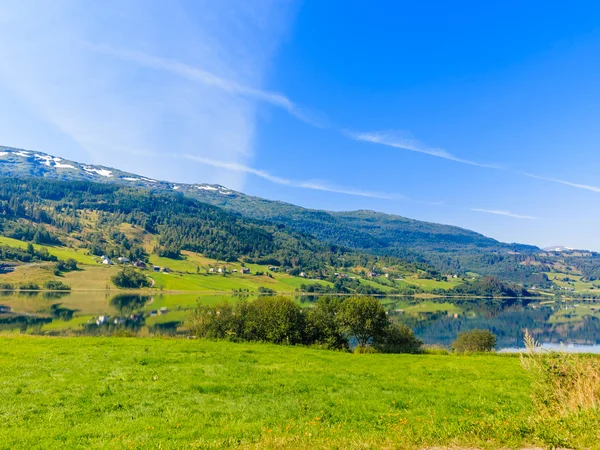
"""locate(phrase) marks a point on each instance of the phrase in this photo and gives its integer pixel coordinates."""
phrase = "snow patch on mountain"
(101, 172)
(63, 166)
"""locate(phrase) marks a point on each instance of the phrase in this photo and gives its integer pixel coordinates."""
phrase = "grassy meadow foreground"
(172, 393)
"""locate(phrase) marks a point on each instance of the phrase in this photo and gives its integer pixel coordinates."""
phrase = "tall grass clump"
(563, 383)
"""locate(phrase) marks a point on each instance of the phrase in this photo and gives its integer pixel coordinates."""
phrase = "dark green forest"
(29, 207)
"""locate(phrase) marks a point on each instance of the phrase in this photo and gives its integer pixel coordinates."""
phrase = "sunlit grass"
(153, 393)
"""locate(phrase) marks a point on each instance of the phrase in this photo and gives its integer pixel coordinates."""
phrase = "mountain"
(447, 248)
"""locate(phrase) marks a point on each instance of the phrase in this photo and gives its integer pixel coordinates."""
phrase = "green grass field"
(59, 252)
(165, 393)
(573, 282)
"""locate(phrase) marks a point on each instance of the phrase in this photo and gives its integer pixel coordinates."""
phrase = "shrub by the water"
(363, 318)
(29, 286)
(130, 278)
(475, 341)
(56, 286)
(398, 339)
(322, 327)
(330, 324)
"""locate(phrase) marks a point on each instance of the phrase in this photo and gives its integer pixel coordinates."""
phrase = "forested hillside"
(84, 214)
(292, 235)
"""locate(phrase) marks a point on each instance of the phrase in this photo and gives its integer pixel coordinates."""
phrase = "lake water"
(572, 325)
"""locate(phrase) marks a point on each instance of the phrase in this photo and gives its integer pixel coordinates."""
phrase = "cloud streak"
(405, 142)
(586, 187)
(503, 213)
(202, 76)
(109, 104)
(305, 184)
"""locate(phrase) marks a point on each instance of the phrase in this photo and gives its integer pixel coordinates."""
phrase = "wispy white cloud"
(305, 184)
(81, 100)
(586, 187)
(503, 213)
(404, 141)
(200, 75)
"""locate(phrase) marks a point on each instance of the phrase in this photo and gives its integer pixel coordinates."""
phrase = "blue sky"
(478, 114)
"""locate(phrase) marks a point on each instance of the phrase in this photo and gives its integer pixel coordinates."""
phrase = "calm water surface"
(572, 325)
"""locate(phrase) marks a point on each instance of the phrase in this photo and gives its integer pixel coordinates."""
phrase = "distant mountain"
(448, 248)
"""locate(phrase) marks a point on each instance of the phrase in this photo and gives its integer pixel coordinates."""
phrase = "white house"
(107, 261)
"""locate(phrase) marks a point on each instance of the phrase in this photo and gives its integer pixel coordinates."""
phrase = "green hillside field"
(168, 393)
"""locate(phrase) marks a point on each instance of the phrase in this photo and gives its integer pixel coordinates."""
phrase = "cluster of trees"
(332, 323)
(129, 278)
(341, 286)
(30, 254)
(490, 287)
(35, 234)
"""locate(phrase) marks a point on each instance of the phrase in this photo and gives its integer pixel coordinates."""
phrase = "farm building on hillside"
(245, 270)
(106, 260)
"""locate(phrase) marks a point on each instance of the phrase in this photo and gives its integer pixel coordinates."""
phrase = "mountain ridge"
(448, 249)
(20, 162)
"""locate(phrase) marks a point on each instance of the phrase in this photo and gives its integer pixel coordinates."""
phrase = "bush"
(281, 321)
(398, 339)
(266, 291)
(29, 286)
(322, 327)
(362, 318)
(475, 341)
(66, 266)
(6, 287)
(130, 278)
(53, 285)
(274, 319)
(222, 321)
(269, 319)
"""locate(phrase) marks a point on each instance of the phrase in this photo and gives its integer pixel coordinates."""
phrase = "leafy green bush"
(322, 326)
(130, 278)
(362, 318)
(66, 266)
(475, 341)
(398, 339)
(29, 286)
(6, 287)
(330, 324)
(269, 319)
(54, 285)
(274, 319)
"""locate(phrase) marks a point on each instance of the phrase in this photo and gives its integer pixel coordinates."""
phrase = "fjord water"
(572, 325)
